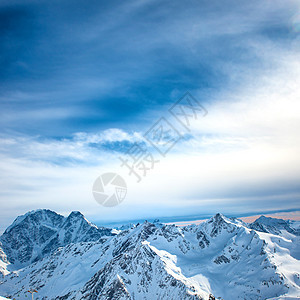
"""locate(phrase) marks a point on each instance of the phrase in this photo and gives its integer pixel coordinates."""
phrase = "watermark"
(160, 138)
(187, 108)
(138, 161)
(109, 189)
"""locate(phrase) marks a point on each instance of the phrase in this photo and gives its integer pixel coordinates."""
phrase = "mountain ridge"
(222, 257)
(39, 232)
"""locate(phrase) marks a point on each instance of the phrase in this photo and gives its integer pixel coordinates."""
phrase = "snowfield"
(220, 258)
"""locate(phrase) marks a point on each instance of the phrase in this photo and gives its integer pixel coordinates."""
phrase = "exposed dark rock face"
(40, 232)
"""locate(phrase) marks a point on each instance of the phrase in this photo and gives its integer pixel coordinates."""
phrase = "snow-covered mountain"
(275, 226)
(221, 257)
(38, 233)
(3, 263)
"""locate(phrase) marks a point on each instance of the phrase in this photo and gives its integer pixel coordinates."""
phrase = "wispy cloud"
(94, 64)
(96, 76)
(243, 156)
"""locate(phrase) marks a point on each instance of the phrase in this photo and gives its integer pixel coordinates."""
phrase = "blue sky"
(81, 81)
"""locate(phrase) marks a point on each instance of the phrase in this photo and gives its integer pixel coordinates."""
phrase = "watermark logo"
(187, 109)
(109, 189)
(138, 161)
(162, 136)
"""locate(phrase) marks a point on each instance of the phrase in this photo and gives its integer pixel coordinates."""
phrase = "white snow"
(221, 256)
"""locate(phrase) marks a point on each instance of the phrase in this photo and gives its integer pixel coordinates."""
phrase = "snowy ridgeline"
(70, 258)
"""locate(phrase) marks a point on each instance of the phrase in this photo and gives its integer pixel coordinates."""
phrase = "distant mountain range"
(222, 258)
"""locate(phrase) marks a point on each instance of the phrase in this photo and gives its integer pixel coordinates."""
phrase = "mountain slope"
(275, 226)
(4, 263)
(220, 257)
(38, 233)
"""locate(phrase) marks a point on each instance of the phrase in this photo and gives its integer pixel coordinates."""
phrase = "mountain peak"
(269, 221)
(36, 216)
(219, 215)
(76, 214)
(46, 230)
(217, 218)
(272, 225)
